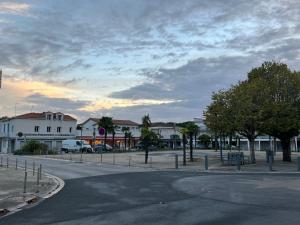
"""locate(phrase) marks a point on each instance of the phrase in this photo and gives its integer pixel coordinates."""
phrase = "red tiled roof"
(117, 122)
(41, 116)
(125, 122)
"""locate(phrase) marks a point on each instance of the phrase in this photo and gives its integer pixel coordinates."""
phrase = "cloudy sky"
(126, 58)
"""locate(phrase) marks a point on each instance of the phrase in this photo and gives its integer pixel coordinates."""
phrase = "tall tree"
(129, 139)
(107, 124)
(184, 132)
(280, 112)
(146, 121)
(113, 135)
(246, 104)
(191, 129)
(125, 130)
(148, 137)
(219, 117)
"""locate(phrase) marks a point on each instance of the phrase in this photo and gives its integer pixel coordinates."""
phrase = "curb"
(36, 199)
(250, 172)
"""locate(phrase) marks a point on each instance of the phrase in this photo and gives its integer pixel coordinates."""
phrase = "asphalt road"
(164, 198)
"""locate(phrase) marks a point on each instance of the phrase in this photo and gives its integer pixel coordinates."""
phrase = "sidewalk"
(166, 160)
(12, 194)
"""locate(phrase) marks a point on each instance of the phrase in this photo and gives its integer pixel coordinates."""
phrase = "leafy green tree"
(280, 112)
(246, 104)
(107, 124)
(205, 140)
(219, 116)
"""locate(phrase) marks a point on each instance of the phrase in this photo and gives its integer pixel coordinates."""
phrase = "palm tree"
(192, 128)
(113, 136)
(125, 130)
(129, 135)
(184, 132)
(146, 122)
(107, 124)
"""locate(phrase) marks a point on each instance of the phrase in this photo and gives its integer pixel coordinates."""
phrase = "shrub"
(33, 147)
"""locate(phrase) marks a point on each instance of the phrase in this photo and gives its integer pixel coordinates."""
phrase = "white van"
(75, 146)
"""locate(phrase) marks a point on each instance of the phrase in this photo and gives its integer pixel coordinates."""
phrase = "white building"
(47, 127)
(169, 133)
(90, 132)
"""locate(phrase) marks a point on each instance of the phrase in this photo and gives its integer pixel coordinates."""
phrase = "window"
(54, 116)
(48, 129)
(70, 129)
(59, 117)
(48, 116)
(58, 129)
(36, 129)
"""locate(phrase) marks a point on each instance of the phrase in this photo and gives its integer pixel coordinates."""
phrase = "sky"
(128, 58)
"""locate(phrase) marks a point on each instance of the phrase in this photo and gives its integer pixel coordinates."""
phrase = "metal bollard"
(7, 161)
(40, 171)
(114, 159)
(270, 163)
(1, 162)
(150, 162)
(101, 158)
(16, 163)
(37, 180)
(33, 168)
(25, 182)
(238, 163)
(206, 162)
(25, 167)
(298, 163)
(176, 161)
(129, 161)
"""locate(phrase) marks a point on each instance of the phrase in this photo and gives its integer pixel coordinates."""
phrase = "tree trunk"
(191, 148)
(113, 141)
(216, 143)
(221, 148)
(252, 150)
(195, 144)
(286, 149)
(125, 142)
(105, 137)
(184, 150)
(230, 142)
(146, 154)
(129, 144)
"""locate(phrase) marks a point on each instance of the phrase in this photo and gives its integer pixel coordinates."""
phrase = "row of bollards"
(38, 173)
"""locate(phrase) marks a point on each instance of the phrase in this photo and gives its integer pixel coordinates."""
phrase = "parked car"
(140, 146)
(75, 146)
(101, 147)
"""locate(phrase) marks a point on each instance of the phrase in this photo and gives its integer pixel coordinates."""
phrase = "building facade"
(89, 132)
(169, 133)
(47, 127)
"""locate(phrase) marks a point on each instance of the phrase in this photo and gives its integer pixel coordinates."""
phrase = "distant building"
(47, 127)
(169, 133)
(90, 132)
